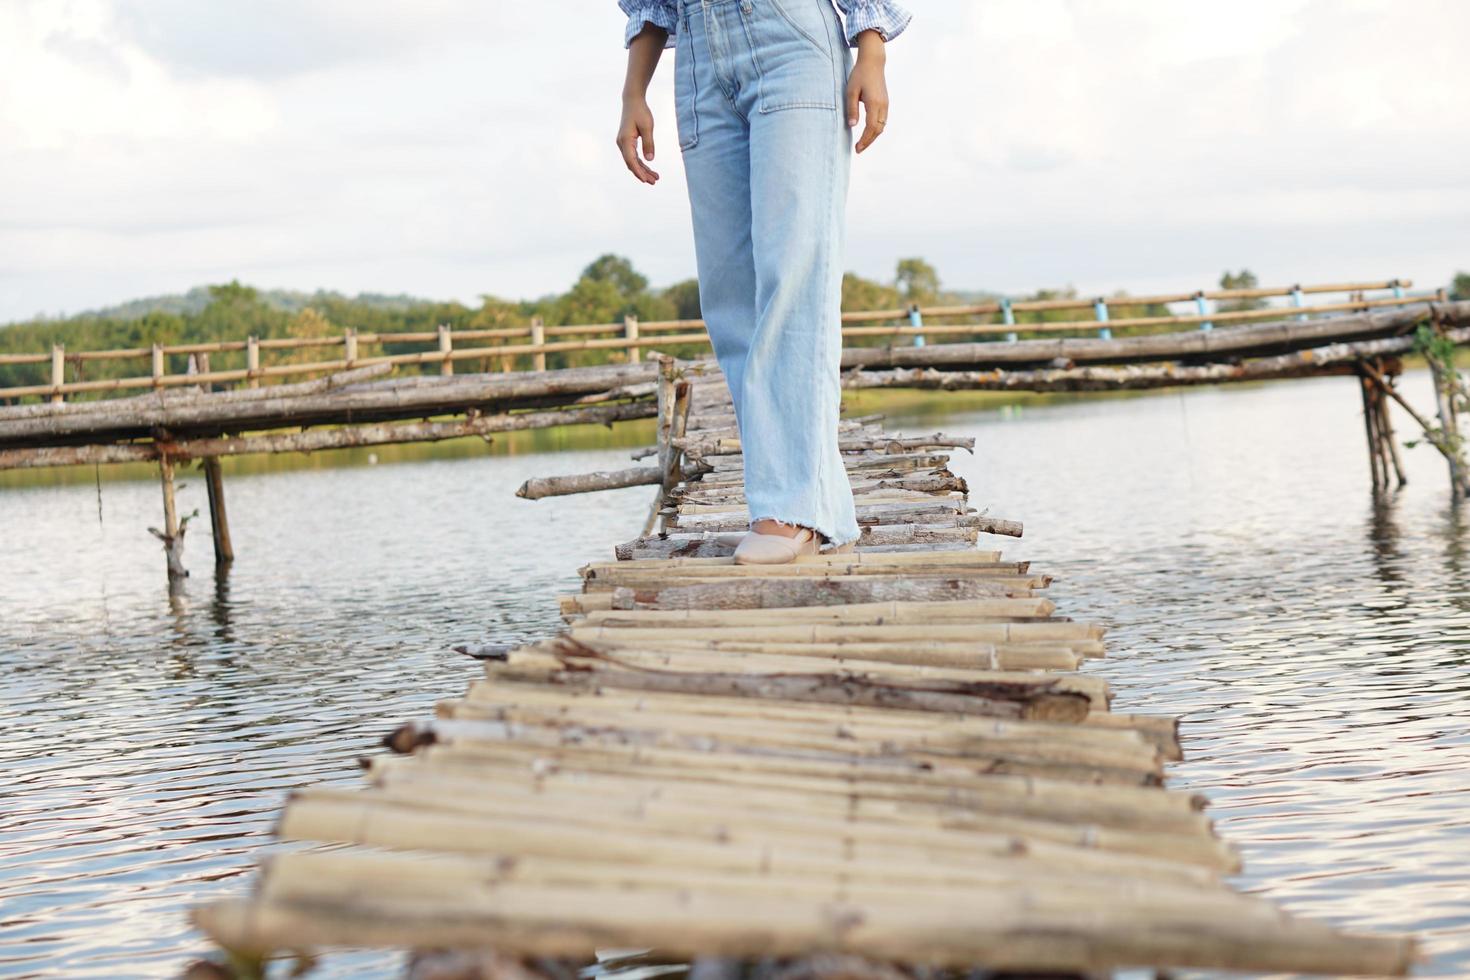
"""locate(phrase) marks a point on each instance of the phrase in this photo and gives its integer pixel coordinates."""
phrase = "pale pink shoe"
(775, 549)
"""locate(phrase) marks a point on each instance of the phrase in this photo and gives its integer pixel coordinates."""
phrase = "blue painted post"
(1100, 307)
(1298, 300)
(1203, 305)
(916, 320)
(1398, 290)
(1008, 316)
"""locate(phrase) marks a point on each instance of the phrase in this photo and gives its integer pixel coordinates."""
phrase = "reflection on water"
(1316, 643)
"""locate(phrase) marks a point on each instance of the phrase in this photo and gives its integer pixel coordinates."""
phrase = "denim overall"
(759, 96)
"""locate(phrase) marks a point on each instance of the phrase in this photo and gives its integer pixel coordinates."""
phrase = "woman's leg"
(766, 152)
(714, 138)
(800, 150)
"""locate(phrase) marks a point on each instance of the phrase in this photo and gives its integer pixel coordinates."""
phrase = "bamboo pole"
(58, 372)
(538, 339)
(630, 333)
(446, 349)
(252, 362)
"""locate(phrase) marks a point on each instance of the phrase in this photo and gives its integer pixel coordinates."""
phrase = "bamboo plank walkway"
(888, 754)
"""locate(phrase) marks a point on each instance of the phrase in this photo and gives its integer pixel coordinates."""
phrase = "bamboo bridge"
(192, 410)
(889, 763)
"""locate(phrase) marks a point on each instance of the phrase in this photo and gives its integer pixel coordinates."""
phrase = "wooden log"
(835, 590)
(997, 928)
(392, 399)
(892, 613)
(957, 697)
(1279, 336)
(552, 656)
(705, 444)
(962, 790)
(969, 561)
(164, 397)
(315, 440)
(558, 486)
(901, 513)
(997, 656)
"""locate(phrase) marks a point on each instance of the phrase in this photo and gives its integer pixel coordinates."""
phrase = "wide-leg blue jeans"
(766, 147)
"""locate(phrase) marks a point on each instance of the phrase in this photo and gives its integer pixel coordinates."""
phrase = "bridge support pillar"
(219, 521)
(172, 534)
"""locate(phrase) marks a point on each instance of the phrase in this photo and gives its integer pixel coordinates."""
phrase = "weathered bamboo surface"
(887, 753)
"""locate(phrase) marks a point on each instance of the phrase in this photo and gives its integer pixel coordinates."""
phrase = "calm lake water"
(1316, 642)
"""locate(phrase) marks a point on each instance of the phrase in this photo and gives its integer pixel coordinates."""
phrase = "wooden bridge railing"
(631, 336)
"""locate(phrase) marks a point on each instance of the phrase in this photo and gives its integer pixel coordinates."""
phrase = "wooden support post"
(1386, 437)
(252, 362)
(349, 346)
(219, 524)
(157, 365)
(1434, 435)
(1444, 378)
(664, 392)
(538, 338)
(219, 521)
(172, 534)
(1370, 427)
(446, 345)
(58, 371)
(630, 333)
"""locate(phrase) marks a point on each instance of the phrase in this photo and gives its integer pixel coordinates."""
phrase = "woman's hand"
(637, 124)
(636, 127)
(867, 85)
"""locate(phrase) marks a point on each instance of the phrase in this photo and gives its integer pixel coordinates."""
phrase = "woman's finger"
(875, 112)
(647, 135)
(871, 131)
(628, 146)
(854, 96)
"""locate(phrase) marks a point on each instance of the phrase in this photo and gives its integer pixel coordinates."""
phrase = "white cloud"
(454, 147)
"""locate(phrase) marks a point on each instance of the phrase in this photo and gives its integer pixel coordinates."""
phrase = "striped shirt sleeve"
(659, 13)
(884, 16)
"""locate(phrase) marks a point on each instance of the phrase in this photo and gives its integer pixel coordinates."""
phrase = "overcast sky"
(449, 148)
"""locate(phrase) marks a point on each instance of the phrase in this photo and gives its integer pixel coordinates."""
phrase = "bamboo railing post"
(349, 346)
(538, 338)
(630, 333)
(58, 371)
(157, 366)
(446, 346)
(252, 362)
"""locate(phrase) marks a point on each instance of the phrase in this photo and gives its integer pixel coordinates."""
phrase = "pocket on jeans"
(686, 90)
(793, 46)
